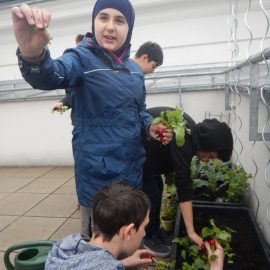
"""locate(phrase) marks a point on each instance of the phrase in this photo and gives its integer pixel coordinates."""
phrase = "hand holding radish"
(58, 106)
(215, 255)
(160, 133)
(29, 26)
(139, 257)
(175, 121)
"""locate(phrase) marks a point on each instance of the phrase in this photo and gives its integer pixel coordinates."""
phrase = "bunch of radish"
(172, 119)
(61, 109)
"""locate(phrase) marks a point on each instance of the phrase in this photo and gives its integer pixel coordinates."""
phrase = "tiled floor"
(36, 204)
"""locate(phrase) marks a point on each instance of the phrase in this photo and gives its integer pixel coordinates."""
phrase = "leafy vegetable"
(174, 120)
(162, 265)
(219, 180)
(194, 258)
(61, 110)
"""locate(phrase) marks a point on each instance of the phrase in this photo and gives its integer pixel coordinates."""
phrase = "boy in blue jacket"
(108, 98)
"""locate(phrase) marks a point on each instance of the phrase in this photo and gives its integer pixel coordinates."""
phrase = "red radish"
(203, 247)
(147, 256)
(162, 139)
(160, 131)
(212, 242)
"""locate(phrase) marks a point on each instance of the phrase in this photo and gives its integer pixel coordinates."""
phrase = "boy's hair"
(117, 205)
(88, 35)
(153, 51)
(79, 38)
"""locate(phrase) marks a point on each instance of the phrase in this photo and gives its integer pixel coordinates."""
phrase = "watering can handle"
(21, 245)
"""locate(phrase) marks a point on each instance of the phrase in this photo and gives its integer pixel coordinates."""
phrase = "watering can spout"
(32, 256)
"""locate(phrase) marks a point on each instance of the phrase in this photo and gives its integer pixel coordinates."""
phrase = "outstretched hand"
(217, 253)
(29, 26)
(57, 106)
(139, 257)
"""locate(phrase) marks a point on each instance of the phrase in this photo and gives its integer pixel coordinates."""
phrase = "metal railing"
(178, 80)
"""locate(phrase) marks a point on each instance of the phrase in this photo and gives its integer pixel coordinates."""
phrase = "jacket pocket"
(101, 161)
(104, 167)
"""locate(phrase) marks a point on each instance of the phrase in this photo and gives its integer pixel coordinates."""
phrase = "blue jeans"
(153, 187)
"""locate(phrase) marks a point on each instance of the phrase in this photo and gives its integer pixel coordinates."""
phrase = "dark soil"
(205, 194)
(246, 241)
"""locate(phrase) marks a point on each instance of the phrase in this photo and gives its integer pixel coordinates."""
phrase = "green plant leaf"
(158, 120)
(184, 254)
(179, 135)
(213, 257)
(223, 235)
(174, 119)
(198, 260)
(227, 183)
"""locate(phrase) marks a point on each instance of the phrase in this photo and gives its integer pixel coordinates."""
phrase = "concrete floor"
(36, 203)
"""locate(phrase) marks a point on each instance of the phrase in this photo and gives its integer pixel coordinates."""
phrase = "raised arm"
(29, 25)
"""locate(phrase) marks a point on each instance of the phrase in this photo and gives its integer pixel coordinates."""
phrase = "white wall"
(257, 153)
(33, 136)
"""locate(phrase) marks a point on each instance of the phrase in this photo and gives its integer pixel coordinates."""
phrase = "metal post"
(254, 135)
(228, 107)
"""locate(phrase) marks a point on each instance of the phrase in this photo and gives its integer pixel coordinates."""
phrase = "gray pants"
(86, 218)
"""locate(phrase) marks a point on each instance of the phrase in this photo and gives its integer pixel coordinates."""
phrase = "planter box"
(198, 198)
(252, 253)
(216, 203)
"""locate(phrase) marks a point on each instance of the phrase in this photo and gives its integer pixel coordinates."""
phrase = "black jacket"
(67, 99)
(168, 158)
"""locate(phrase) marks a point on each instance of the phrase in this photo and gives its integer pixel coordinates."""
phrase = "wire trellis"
(256, 82)
(266, 104)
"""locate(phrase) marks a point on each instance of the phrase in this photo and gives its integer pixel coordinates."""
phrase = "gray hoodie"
(75, 252)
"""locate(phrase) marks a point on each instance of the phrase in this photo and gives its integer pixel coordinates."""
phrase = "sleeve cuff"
(147, 130)
(32, 60)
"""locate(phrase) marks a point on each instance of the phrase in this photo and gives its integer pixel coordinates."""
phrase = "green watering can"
(32, 256)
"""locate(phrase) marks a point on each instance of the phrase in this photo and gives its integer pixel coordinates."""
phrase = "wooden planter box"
(252, 253)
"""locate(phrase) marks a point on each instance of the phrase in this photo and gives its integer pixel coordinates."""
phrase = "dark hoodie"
(210, 135)
(75, 252)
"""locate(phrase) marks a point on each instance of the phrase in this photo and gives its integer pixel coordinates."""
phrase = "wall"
(31, 135)
(254, 157)
(190, 31)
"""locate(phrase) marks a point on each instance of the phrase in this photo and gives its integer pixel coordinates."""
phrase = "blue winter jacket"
(109, 113)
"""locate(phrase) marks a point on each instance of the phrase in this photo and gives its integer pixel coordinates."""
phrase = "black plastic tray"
(222, 204)
(252, 252)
